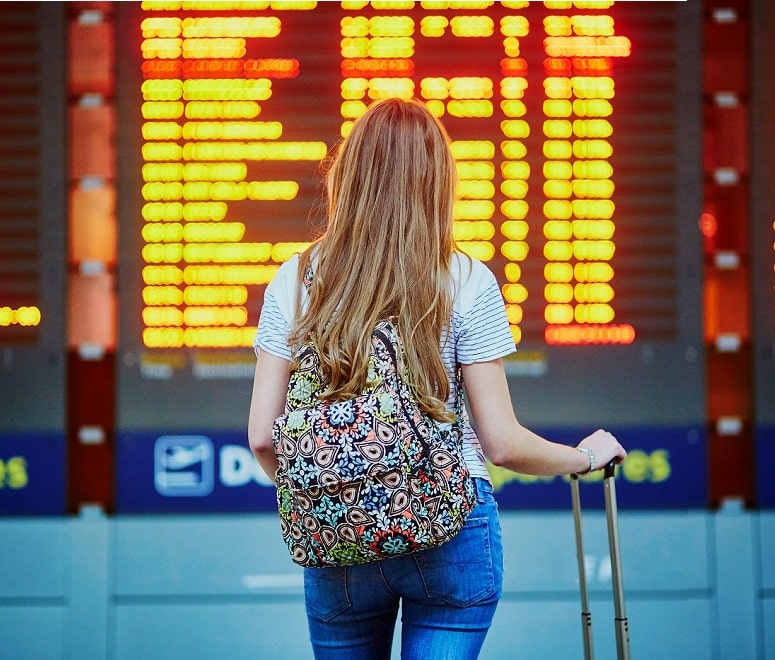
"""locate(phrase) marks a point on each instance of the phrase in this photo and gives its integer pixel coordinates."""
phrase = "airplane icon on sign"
(184, 465)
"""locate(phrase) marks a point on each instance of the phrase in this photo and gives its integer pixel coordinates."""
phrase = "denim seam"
(491, 586)
(385, 582)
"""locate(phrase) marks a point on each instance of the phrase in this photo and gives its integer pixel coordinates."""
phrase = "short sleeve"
(275, 322)
(479, 321)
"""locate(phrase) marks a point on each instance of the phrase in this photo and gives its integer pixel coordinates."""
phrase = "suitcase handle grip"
(610, 470)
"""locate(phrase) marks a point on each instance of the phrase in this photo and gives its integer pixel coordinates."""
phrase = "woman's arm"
(270, 385)
(509, 444)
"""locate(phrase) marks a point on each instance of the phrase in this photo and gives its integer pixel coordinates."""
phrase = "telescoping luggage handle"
(620, 614)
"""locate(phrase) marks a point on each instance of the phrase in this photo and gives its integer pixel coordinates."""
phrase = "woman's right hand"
(604, 447)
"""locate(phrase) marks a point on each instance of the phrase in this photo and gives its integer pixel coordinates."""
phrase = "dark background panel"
(32, 257)
(640, 390)
(32, 213)
(763, 250)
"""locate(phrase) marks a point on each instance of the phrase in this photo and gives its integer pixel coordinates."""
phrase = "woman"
(388, 251)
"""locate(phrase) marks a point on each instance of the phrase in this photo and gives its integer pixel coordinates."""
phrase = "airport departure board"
(32, 260)
(576, 131)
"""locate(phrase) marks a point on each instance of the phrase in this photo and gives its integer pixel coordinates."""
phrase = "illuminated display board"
(21, 235)
(32, 260)
(575, 126)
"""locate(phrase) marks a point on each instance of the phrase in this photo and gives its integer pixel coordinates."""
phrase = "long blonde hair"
(386, 251)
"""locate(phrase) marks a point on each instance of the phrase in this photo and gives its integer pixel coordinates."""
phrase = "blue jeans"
(447, 595)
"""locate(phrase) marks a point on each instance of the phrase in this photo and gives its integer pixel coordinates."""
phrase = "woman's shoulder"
(287, 272)
(469, 273)
(284, 285)
(472, 283)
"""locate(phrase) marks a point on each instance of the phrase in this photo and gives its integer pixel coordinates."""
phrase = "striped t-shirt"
(480, 330)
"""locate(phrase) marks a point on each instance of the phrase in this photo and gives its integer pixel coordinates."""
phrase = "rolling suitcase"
(621, 624)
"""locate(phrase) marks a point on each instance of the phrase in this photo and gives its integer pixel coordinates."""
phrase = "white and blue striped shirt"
(480, 330)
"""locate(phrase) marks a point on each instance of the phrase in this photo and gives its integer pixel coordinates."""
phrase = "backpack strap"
(308, 274)
(459, 387)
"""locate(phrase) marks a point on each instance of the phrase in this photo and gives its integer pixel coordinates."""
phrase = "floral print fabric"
(371, 477)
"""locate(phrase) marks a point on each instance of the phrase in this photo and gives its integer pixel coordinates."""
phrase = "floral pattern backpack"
(371, 477)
